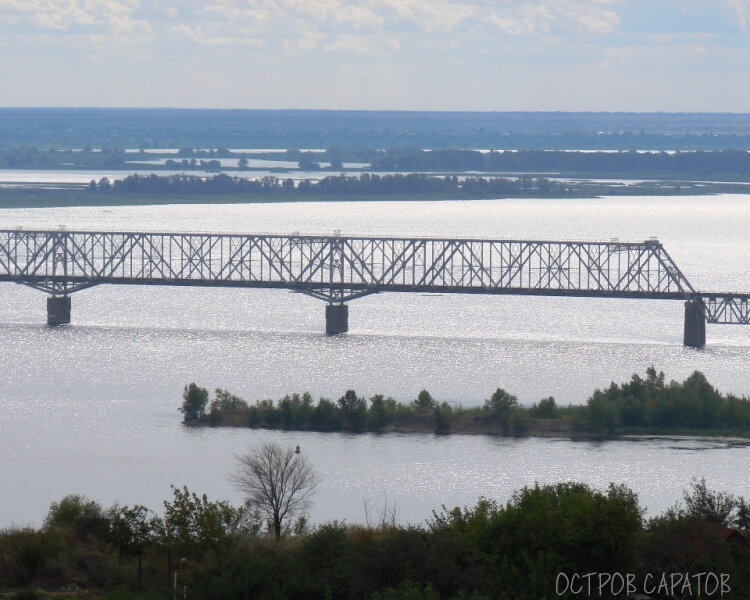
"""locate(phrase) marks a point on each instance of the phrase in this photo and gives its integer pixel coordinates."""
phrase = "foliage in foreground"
(512, 551)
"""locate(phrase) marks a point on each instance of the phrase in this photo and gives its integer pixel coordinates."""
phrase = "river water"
(92, 408)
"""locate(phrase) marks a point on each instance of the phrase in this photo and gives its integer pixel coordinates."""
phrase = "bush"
(24, 552)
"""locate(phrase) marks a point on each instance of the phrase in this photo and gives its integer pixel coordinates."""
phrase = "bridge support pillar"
(58, 310)
(695, 325)
(337, 318)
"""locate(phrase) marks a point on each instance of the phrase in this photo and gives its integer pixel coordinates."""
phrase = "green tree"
(377, 414)
(224, 400)
(424, 402)
(80, 514)
(546, 409)
(543, 530)
(326, 415)
(602, 413)
(501, 404)
(443, 414)
(710, 505)
(353, 409)
(192, 524)
(132, 532)
(194, 400)
(308, 163)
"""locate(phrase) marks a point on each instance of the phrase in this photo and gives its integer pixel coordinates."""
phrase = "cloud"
(374, 45)
(522, 21)
(304, 24)
(524, 18)
(593, 17)
(417, 34)
(432, 15)
(305, 40)
(202, 35)
(117, 16)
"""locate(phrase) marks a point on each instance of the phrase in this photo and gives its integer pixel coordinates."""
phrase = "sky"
(497, 55)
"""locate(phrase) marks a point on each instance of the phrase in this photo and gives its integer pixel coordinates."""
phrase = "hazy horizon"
(372, 110)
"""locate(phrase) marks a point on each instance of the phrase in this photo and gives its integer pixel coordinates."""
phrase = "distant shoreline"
(414, 423)
(537, 428)
(78, 196)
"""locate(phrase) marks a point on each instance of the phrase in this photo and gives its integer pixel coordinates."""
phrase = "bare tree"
(278, 482)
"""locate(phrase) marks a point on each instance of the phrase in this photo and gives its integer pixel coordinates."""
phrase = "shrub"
(24, 552)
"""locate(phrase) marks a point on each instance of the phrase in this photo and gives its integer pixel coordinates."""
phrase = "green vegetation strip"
(641, 406)
(137, 190)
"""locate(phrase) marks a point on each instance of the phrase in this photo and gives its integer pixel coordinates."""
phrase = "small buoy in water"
(297, 451)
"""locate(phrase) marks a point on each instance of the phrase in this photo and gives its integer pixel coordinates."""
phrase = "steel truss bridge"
(337, 268)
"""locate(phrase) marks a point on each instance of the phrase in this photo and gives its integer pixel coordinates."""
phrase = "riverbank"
(469, 425)
(460, 424)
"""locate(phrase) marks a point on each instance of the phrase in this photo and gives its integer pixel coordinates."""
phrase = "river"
(92, 408)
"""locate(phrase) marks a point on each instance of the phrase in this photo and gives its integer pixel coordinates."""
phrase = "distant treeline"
(413, 183)
(641, 405)
(689, 165)
(176, 128)
(31, 157)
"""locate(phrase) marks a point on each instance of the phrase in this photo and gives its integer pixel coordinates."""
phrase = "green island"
(533, 546)
(642, 406)
(222, 188)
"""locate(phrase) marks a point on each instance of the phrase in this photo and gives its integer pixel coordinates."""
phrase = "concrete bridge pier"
(695, 325)
(337, 318)
(58, 310)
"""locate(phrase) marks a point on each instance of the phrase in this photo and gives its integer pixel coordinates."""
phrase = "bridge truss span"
(338, 268)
